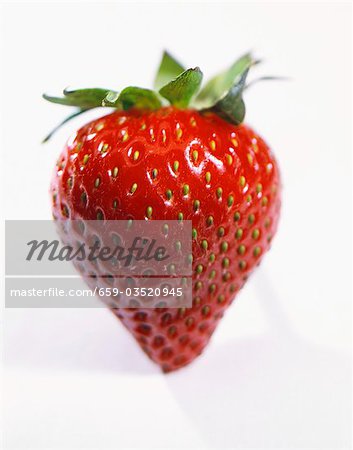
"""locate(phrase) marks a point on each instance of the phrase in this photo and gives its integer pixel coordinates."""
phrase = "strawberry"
(198, 162)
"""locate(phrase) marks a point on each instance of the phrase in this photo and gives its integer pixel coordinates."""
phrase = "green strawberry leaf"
(218, 87)
(82, 98)
(85, 99)
(180, 91)
(135, 97)
(232, 107)
(168, 69)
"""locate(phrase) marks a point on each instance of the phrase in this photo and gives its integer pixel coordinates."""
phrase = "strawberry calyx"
(182, 89)
(174, 85)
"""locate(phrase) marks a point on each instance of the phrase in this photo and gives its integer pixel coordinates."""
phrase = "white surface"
(277, 373)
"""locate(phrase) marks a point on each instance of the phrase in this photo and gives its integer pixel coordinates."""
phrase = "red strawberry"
(147, 161)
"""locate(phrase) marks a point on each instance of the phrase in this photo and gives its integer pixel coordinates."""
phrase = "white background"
(277, 373)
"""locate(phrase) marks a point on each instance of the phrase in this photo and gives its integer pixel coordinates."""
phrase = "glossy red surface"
(159, 165)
